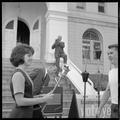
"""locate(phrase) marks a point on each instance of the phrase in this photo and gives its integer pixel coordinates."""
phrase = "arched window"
(91, 42)
(10, 25)
(36, 25)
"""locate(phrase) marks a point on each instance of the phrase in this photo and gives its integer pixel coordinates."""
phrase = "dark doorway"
(23, 33)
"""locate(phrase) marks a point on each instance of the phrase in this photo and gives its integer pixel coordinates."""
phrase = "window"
(97, 47)
(81, 5)
(36, 25)
(101, 7)
(86, 49)
(90, 45)
(10, 25)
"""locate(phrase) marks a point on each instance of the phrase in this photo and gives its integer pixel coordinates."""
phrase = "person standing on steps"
(59, 52)
(21, 85)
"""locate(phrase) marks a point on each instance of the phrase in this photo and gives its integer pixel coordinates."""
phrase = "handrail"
(89, 81)
(74, 66)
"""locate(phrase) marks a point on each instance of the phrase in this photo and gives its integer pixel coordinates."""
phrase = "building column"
(35, 39)
(9, 36)
(56, 24)
(9, 39)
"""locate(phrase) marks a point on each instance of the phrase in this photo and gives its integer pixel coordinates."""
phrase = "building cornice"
(89, 19)
(56, 15)
(92, 22)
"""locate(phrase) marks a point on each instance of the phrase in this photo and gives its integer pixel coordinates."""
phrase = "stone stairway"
(7, 100)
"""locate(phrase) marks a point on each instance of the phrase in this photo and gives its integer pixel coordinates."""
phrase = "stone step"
(7, 70)
(6, 81)
(5, 87)
(33, 65)
(65, 112)
(6, 60)
(7, 98)
(66, 104)
(10, 70)
(6, 77)
(8, 102)
(7, 64)
(8, 105)
(6, 93)
(63, 116)
(6, 112)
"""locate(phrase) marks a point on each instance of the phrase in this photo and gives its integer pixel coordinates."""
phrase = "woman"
(21, 84)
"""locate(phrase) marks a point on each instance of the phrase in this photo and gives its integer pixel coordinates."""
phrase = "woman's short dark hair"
(18, 53)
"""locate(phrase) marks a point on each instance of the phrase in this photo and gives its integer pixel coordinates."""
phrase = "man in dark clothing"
(59, 52)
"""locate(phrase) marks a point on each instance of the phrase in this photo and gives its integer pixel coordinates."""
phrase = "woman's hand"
(48, 96)
(40, 95)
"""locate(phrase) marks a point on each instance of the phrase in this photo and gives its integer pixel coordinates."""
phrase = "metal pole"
(85, 77)
(98, 97)
(85, 89)
(98, 55)
(84, 97)
(98, 84)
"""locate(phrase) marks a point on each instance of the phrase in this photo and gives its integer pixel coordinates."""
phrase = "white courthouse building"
(84, 26)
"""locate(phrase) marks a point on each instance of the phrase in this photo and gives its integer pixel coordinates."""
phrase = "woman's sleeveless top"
(28, 93)
(22, 111)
